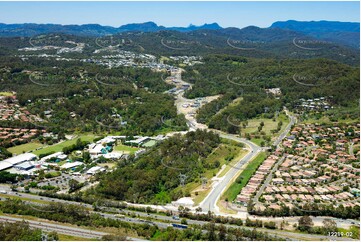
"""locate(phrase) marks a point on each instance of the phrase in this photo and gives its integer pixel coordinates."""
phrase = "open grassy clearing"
(269, 124)
(59, 146)
(125, 148)
(23, 148)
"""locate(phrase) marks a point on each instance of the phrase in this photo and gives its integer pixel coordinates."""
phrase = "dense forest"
(88, 97)
(154, 176)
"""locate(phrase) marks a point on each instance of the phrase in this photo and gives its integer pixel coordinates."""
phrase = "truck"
(179, 226)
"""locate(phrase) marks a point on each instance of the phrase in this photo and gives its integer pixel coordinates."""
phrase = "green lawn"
(247, 173)
(353, 232)
(269, 124)
(126, 149)
(59, 147)
(19, 149)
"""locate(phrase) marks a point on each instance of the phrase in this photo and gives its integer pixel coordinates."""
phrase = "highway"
(164, 221)
(61, 229)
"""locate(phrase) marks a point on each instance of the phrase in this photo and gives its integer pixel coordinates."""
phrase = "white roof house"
(95, 149)
(5, 165)
(94, 170)
(12, 161)
(71, 164)
(51, 156)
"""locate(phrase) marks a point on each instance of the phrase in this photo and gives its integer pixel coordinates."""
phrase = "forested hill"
(154, 177)
(346, 33)
(342, 33)
(251, 42)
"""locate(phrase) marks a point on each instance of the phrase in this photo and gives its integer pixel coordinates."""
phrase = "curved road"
(210, 202)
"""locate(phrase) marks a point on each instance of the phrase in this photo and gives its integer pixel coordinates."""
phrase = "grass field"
(126, 149)
(247, 173)
(269, 124)
(59, 147)
(19, 149)
(353, 232)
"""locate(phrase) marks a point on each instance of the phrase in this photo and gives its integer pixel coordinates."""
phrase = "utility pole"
(204, 182)
(182, 178)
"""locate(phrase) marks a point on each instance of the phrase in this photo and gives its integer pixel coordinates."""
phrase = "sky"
(226, 14)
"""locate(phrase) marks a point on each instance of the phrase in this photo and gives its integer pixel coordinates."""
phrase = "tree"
(222, 232)
(211, 235)
(329, 226)
(53, 236)
(305, 223)
(73, 185)
(86, 156)
(112, 237)
(18, 231)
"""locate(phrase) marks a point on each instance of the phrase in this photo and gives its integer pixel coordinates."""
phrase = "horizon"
(226, 14)
(186, 26)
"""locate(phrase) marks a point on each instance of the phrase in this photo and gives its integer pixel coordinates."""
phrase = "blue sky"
(227, 14)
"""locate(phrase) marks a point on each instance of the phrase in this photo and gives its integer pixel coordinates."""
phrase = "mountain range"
(344, 33)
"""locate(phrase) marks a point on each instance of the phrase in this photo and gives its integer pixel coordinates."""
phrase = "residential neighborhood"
(315, 164)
